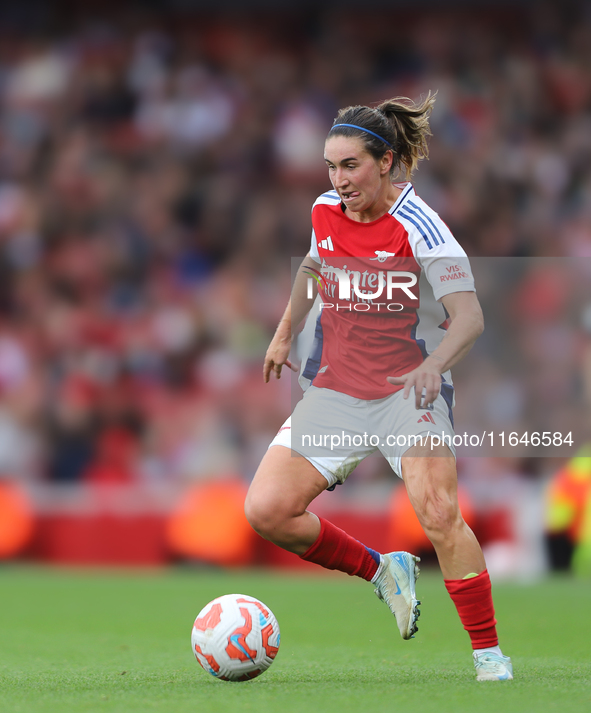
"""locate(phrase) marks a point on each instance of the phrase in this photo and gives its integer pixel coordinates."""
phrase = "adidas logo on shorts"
(428, 418)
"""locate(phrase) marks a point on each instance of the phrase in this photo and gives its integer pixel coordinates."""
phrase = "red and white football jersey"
(379, 283)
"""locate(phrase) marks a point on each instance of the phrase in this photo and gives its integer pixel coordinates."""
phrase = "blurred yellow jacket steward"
(568, 508)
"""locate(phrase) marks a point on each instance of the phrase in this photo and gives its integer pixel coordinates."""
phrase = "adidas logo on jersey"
(326, 244)
(428, 418)
(324, 368)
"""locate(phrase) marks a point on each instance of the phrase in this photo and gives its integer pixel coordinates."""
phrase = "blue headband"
(367, 131)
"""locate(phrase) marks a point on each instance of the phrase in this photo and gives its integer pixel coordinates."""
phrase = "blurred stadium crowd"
(157, 169)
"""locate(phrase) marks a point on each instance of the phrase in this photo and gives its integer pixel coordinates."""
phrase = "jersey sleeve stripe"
(426, 216)
(421, 218)
(328, 198)
(417, 226)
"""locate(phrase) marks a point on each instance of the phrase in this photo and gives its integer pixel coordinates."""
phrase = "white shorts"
(335, 431)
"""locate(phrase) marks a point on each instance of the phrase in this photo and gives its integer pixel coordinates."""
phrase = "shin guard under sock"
(473, 600)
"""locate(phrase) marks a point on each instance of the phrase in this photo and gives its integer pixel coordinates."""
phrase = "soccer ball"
(235, 637)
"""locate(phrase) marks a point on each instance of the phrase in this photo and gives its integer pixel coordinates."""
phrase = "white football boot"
(492, 667)
(395, 585)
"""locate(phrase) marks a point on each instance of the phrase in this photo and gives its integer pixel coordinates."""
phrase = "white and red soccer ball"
(235, 637)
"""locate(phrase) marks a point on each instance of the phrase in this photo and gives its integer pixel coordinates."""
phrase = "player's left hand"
(426, 381)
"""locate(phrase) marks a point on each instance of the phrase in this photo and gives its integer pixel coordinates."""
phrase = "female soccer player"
(396, 310)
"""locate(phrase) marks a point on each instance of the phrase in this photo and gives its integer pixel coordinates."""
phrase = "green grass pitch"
(103, 641)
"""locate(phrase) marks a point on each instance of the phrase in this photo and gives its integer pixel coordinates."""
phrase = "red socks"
(473, 600)
(334, 549)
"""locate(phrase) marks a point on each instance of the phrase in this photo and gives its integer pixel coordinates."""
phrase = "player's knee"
(263, 515)
(256, 513)
(439, 517)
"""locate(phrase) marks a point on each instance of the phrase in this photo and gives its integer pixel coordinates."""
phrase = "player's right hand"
(425, 380)
(276, 356)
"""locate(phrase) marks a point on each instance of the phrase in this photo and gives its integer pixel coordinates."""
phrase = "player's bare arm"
(467, 324)
(297, 308)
